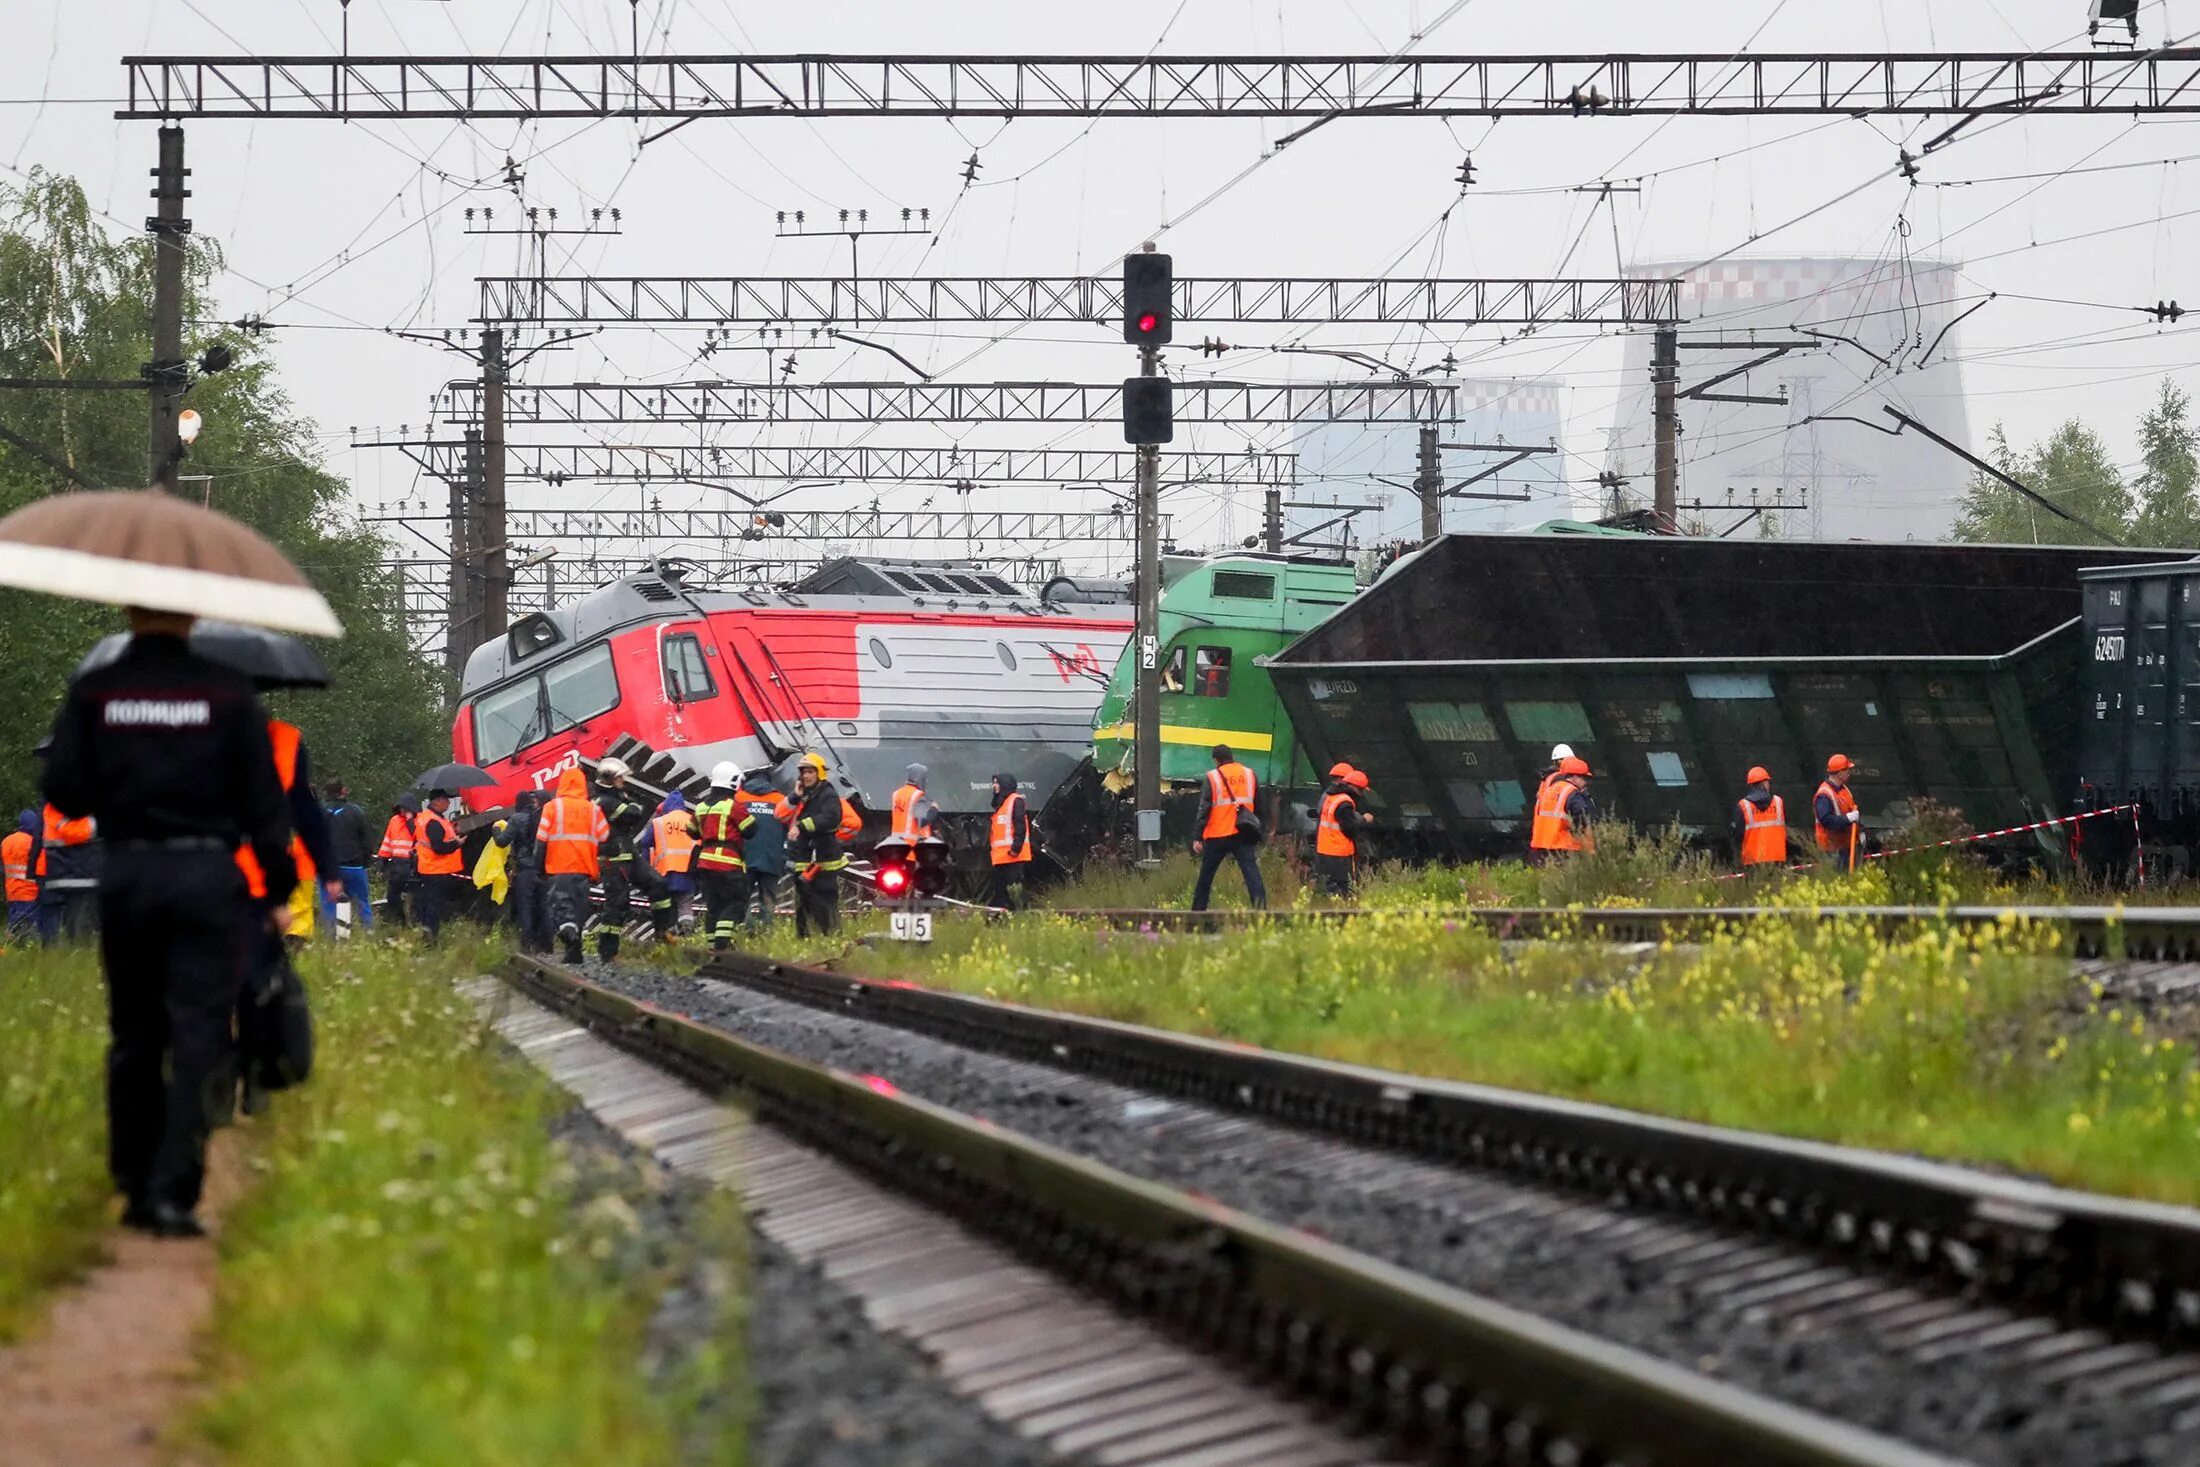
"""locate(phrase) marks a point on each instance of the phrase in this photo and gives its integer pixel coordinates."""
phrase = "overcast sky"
(337, 231)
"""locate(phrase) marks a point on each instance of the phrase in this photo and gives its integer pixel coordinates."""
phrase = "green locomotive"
(1219, 614)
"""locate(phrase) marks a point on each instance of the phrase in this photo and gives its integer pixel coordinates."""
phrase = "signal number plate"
(910, 927)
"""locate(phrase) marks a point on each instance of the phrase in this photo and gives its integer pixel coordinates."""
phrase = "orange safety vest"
(62, 831)
(431, 864)
(1005, 850)
(286, 739)
(1229, 790)
(1329, 836)
(397, 840)
(906, 824)
(1764, 833)
(15, 855)
(1833, 838)
(1552, 830)
(568, 831)
(672, 846)
(851, 821)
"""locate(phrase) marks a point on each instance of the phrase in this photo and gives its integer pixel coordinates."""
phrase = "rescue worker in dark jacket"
(68, 878)
(439, 855)
(1011, 842)
(528, 899)
(19, 857)
(817, 855)
(400, 873)
(723, 825)
(351, 842)
(1760, 825)
(764, 851)
(625, 815)
(1337, 828)
(1228, 808)
(169, 752)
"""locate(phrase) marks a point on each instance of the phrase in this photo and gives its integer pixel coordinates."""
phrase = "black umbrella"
(271, 659)
(454, 777)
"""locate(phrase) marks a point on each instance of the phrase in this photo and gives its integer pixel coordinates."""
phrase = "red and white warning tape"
(1965, 840)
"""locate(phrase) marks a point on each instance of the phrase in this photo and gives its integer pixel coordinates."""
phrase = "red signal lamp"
(893, 880)
(1148, 322)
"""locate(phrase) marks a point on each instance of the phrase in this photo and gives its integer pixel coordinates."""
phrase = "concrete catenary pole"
(1147, 736)
(1428, 483)
(492, 546)
(171, 233)
(1665, 372)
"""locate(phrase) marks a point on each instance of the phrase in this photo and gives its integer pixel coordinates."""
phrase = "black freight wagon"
(2139, 739)
(1672, 665)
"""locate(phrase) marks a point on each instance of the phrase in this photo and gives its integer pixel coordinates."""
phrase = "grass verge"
(1969, 1045)
(53, 1173)
(417, 1278)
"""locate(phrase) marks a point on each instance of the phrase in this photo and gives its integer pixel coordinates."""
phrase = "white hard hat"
(612, 768)
(1562, 751)
(725, 775)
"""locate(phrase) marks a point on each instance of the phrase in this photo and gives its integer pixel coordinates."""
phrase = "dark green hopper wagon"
(1672, 665)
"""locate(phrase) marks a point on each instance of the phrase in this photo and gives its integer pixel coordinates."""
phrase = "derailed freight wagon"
(1672, 665)
(2139, 739)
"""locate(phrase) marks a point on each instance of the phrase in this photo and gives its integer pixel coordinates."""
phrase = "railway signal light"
(1149, 410)
(1149, 303)
(935, 866)
(893, 881)
(893, 868)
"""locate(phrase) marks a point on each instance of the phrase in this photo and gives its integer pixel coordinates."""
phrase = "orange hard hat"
(1340, 770)
(1840, 764)
(1574, 766)
(1357, 779)
(1758, 774)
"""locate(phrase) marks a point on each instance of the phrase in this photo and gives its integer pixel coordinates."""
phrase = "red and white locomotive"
(873, 664)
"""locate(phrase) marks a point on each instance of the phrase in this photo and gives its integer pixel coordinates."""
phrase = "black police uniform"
(170, 753)
(615, 856)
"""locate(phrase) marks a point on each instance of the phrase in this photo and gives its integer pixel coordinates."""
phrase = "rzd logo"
(543, 777)
(1084, 662)
(2108, 649)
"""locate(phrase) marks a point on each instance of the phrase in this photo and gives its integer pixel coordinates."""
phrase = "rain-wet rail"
(1939, 1265)
(1376, 1363)
(2153, 933)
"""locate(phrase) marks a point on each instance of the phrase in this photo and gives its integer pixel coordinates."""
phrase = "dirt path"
(99, 1384)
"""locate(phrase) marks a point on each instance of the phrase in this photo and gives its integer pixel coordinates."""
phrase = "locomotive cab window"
(1211, 673)
(1245, 585)
(1172, 672)
(687, 671)
(508, 720)
(580, 688)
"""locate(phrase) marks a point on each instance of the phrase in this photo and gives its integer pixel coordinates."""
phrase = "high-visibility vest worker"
(672, 842)
(397, 839)
(1838, 836)
(1007, 850)
(725, 820)
(907, 825)
(62, 831)
(570, 828)
(1230, 791)
(286, 739)
(15, 859)
(432, 862)
(851, 821)
(1764, 830)
(1329, 834)
(1553, 829)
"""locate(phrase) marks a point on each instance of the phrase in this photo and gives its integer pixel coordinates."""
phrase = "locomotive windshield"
(541, 704)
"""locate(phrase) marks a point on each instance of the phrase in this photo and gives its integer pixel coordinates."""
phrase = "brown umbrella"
(147, 548)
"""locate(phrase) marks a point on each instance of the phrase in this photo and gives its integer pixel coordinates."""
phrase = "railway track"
(2166, 934)
(2019, 1289)
(1181, 1304)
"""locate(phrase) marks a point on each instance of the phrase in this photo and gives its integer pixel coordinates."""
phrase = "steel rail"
(1442, 1374)
(2165, 933)
(2129, 1266)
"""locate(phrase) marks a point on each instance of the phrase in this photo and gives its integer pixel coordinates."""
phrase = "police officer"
(624, 816)
(818, 857)
(169, 752)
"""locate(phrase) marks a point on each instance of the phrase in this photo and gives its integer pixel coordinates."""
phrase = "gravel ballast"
(1982, 1409)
